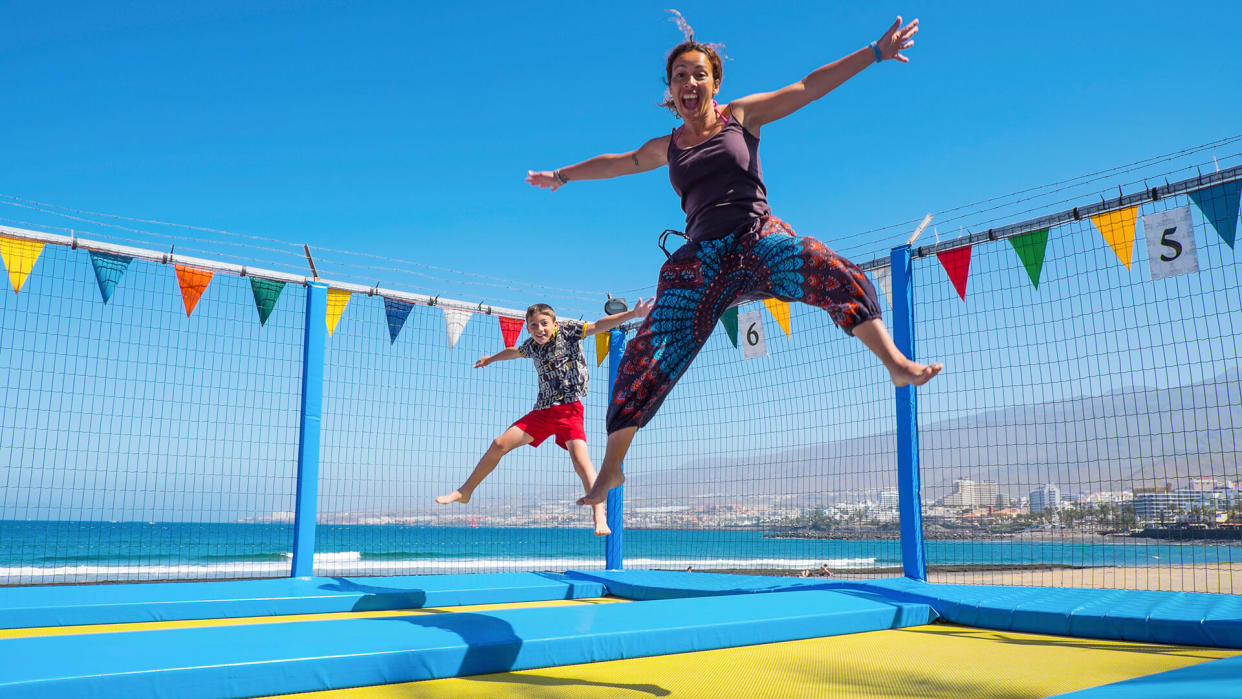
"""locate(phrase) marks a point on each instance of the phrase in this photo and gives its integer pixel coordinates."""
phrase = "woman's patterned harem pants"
(701, 280)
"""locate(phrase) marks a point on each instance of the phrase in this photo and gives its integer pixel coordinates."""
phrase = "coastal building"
(1171, 505)
(971, 494)
(1045, 497)
(1108, 496)
(888, 499)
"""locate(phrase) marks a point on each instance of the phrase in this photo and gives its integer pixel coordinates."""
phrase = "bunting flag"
(729, 321)
(337, 300)
(193, 282)
(266, 291)
(19, 258)
(1117, 228)
(397, 312)
(602, 343)
(1031, 248)
(1170, 237)
(109, 269)
(454, 322)
(753, 344)
(956, 263)
(780, 311)
(1219, 205)
(510, 328)
(884, 275)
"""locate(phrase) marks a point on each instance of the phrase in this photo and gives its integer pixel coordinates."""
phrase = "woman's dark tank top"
(719, 181)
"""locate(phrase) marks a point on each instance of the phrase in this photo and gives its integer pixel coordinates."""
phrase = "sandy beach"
(1223, 577)
(1215, 577)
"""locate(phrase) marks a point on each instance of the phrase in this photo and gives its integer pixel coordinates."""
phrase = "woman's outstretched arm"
(753, 111)
(648, 156)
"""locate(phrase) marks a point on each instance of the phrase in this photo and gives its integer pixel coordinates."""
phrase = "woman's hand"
(897, 39)
(483, 361)
(544, 179)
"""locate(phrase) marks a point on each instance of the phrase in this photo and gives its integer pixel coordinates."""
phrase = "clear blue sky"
(404, 130)
(393, 138)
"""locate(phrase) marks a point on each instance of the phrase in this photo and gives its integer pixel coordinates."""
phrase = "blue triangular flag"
(1219, 205)
(109, 269)
(397, 312)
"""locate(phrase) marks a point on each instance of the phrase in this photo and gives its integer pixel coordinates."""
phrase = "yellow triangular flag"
(337, 298)
(780, 311)
(19, 258)
(601, 347)
(1117, 227)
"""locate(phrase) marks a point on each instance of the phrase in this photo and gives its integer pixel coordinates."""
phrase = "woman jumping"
(736, 250)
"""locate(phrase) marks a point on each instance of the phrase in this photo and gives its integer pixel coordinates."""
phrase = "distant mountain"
(1128, 438)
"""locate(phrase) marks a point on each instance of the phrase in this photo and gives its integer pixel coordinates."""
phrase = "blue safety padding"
(72, 605)
(1216, 679)
(1185, 618)
(298, 656)
(672, 584)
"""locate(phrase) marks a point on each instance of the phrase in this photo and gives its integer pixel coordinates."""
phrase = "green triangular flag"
(729, 320)
(1030, 248)
(1220, 206)
(266, 292)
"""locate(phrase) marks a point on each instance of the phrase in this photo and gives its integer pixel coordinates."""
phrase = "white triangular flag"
(884, 275)
(454, 322)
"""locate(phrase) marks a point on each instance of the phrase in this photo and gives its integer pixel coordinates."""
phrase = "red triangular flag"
(957, 263)
(510, 328)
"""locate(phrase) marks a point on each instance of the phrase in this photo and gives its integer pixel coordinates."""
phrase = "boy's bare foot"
(913, 373)
(455, 496)
(599, 491)
(601, 521)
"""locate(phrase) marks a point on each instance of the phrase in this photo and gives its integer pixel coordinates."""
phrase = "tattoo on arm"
(634, 157)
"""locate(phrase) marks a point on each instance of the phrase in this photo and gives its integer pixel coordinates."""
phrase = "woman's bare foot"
(913, 373)
(455, 496)
(599, 491)
(601, 520)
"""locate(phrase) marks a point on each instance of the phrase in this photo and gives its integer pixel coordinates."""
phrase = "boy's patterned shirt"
(561, 366)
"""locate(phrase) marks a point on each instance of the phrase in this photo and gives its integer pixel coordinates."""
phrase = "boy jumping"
(556, 348)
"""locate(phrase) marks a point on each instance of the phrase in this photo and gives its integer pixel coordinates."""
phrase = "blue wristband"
(875, 48)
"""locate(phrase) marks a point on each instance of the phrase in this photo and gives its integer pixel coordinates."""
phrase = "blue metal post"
(613, 543)
(909, 499)
(308, 429)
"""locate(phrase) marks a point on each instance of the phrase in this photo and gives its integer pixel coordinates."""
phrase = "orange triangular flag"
(193, 282)
(337, 300)
(957, 263)
(780, 311)
(602, 343)
(19, 258)
(1117, 227)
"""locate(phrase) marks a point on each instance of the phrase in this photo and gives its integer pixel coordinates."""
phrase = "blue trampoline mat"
(297, 656)
(1179, 618)
(1217, 679)
(74, 605)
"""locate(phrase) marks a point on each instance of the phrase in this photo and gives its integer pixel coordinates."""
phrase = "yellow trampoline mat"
(940, 660)
(149, 625)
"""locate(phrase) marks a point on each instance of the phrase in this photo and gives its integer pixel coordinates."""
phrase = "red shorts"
(564, 421)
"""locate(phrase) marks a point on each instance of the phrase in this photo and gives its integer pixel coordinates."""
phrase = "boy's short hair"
(540, 308)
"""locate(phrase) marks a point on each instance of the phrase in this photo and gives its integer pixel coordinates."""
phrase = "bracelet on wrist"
(875, 49)
(560, 177)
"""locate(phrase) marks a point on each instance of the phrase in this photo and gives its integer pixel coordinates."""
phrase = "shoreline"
(1063, 536)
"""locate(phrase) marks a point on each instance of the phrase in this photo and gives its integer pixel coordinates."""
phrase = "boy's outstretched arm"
(506, 353)
(640, 310)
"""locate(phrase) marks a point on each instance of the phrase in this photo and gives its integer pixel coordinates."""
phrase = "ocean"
(34, 552)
